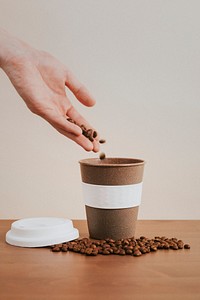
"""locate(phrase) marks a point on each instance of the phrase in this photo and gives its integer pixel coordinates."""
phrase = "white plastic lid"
(41, 232)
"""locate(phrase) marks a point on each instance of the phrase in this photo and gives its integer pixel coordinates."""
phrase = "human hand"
(41, 80)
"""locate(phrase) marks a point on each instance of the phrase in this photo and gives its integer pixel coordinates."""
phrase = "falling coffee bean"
(102, 155)
(102, 141)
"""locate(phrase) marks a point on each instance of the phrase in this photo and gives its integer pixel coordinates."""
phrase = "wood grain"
(38, 273)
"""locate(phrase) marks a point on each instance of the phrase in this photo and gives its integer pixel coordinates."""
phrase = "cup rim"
(112, 162)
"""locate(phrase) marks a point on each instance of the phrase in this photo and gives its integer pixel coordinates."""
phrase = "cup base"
(111, 223)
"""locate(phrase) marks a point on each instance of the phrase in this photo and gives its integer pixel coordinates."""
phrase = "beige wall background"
(141, 60)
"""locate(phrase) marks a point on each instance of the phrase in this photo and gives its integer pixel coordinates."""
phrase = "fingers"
(72, 131)
(75, 116)
(79, 90)
(81, 141)
(61, 124)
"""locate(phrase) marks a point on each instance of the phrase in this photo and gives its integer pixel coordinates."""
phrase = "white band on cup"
(112, 196)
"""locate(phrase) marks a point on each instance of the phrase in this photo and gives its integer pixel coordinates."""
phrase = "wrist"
(4, 42)
(11, 49)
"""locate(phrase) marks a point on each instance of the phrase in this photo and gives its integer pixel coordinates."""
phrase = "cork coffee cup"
(112, 189)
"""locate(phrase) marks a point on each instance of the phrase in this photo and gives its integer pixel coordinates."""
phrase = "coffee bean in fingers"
(94, 134)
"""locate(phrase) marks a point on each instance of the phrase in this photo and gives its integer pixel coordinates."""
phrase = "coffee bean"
(97, 243)
(102, 241)
(186, 246)
(102, 155)
(88, 251)
(94, 252)
(125, 242)
(83, 127)
(102, 141)
(118, 243)
(136, 248)
(180, 244)
(70, 120)
(106, 245)
(100, 250)
(105, 252)
(76, 249)
(160, 246)
(137, 253)
(153, 248)
(94, 134)
(112, 241)
(56, 249)
(148, 250)
(140, 244)
(90, 132)
(166, 246)
(64, 248)
(122, 252)
(171, 245)
(143, 250)
(84, 132)
(91, 139)
(129, 251)
(174, 239)
(175, 247)
(116, 251)
(82, 251)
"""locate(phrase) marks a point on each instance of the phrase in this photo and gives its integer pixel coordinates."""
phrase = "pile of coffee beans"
(130, 246)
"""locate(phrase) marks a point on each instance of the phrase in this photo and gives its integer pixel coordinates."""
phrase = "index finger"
(79, 90)
(80, 121)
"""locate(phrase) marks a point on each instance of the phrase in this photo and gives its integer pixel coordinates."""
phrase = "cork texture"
(111, 223)
(112, 171)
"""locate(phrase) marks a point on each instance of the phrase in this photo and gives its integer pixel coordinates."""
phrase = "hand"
(41, 80)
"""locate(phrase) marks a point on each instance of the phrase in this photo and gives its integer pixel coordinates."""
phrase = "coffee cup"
(112, 189)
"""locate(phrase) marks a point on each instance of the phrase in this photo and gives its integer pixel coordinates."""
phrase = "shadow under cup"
(112, 189)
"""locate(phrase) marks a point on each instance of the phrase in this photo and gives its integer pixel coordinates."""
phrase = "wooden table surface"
(38, 273)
